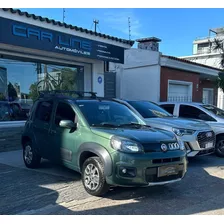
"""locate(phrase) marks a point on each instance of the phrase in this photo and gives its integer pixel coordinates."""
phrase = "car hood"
(140, 135)
(177, 123)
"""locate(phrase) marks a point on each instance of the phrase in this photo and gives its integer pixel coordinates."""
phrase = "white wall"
(139, 77)
(98, 72)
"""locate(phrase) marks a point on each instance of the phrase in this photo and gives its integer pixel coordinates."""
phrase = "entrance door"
(110, 84)
(208, 96)
(179, 92)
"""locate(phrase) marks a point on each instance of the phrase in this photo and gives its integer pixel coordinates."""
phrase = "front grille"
(205, 152)
(151, 147)
(203, 139)
(154, 178)
(166, 160)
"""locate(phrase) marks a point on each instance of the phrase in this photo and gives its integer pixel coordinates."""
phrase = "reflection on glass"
(20, 81)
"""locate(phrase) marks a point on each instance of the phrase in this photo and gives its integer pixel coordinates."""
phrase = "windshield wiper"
(105, 125)
(133, 124)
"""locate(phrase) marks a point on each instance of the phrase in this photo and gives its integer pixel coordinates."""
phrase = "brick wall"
(10, 138)
(175, 74)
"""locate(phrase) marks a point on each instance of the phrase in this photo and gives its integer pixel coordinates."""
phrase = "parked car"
(198, 137)
(6, 113)
(20, 109)
(103, 140)
(205, 112)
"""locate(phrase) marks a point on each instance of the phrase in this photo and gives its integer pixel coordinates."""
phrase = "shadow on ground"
(27, 190)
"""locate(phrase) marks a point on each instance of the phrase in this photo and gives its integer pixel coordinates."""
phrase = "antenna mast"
(63, 16)
(95, 24)
(129, 28)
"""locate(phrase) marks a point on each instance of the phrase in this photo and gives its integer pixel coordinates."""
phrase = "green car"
(103, 140)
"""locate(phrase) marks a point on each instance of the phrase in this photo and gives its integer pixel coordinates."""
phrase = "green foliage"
(12, 92)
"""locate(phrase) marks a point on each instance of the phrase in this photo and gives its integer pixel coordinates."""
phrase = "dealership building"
(32, 46)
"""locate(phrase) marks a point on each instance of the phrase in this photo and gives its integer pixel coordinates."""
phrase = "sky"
(177, 28)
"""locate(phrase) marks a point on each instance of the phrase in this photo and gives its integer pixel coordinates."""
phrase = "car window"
(98, 113)
(64, 112)
(214, 110)
(44, 111)
(149, 109)
(4, 112)
(168, 107)
(187, 111)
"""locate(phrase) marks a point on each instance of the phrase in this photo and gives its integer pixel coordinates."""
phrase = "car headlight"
(182, 131)
(125, 145)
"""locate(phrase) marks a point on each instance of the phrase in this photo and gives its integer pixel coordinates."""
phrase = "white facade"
(139, 77)
(204, 53)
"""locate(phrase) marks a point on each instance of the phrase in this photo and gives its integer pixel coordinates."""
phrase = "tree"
(12, 92)
(2, 97)
(33, 94)
(219, 46)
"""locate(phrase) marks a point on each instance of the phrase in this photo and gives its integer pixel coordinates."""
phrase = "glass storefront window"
(21, 81)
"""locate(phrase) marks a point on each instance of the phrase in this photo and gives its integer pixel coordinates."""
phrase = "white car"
(210, 114)
(198, 137)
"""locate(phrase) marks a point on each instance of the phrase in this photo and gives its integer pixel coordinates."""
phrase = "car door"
(63, 140)
(41, 126)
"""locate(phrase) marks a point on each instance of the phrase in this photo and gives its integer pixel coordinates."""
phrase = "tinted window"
(148, 109)
(168, 107)
(194, 113)
(216, 111)
(44, 111)
(97, 113)
(64, 112)
(4, 112)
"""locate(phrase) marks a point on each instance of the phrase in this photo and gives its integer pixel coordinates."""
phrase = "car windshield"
(108, 113)
(213, 109)
(149, 109)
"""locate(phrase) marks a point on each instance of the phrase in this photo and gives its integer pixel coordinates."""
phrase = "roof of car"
(179, 102)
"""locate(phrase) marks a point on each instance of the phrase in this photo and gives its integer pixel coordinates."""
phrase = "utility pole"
(63, 15)
(95, 24)
(129, 28)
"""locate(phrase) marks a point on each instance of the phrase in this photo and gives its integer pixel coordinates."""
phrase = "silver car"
(198, 137)
(210, 114)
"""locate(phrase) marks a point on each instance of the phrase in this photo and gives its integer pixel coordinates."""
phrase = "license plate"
(168, 170)
(209, 145)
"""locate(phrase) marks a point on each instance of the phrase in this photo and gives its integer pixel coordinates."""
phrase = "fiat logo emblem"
(164, 147)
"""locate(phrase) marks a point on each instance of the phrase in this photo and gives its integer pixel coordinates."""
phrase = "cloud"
(118, 20)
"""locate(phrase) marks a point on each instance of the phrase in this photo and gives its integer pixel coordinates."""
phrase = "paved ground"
(55, 190)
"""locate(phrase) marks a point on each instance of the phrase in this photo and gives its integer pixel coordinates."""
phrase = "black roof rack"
(81, 94)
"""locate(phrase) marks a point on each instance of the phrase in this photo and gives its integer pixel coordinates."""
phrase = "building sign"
(34, 37)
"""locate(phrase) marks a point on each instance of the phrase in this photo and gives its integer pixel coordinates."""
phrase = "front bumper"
(142, 169)
(196, 144)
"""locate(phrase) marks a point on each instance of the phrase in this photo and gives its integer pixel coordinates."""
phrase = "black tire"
(218, 151)
(34, 160)
(102, 187)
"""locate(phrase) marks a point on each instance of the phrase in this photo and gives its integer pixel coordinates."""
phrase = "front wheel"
(93, 177)
(219, 151)
(30, 157)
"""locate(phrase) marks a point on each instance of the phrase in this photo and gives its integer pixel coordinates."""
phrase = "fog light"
(124, 171)
(127, 171)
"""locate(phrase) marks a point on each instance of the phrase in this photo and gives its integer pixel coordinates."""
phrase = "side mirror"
(67, 124)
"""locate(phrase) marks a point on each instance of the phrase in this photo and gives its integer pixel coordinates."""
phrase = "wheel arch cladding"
(87, 150)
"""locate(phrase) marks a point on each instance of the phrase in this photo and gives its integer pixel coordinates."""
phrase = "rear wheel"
(30, 157)
(93, 177)
(219, 151)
